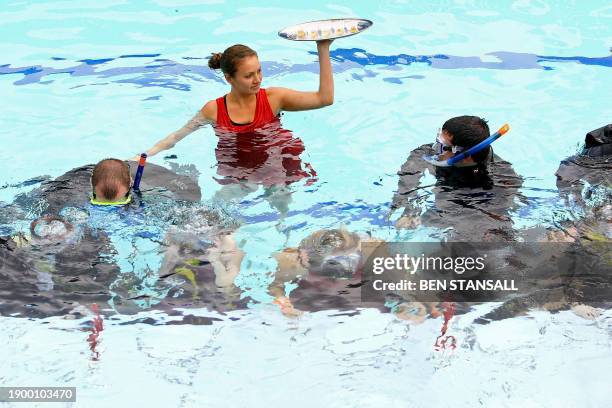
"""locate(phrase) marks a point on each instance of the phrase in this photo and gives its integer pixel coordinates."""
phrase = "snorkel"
(139, 171)
(472, 150)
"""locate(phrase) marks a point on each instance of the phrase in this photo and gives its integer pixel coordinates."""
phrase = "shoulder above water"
(209, 110)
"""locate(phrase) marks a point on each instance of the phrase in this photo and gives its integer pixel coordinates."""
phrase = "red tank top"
(263, 115)
(260, 152)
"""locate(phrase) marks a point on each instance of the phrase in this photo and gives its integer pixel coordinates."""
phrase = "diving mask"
(440, 146)
(126, 200)
(455, 160)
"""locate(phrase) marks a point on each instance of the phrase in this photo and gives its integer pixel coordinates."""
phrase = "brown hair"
(229, 59)
(110, 174)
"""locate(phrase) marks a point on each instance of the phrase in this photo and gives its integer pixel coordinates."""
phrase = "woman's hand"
(324, 44)
(287, 308)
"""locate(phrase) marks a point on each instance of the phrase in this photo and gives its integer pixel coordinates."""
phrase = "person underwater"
(584, 181)
(96, 228)
(591, 165)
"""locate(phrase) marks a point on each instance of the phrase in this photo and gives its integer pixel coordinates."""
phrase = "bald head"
(111, 180)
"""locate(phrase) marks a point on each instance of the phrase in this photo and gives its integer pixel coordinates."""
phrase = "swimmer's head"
(466, 132)
(332, 253)
(50, 228)
(598, 142)
(240, 66)
(111, 180)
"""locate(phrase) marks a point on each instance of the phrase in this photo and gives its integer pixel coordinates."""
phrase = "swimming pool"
(108, 79)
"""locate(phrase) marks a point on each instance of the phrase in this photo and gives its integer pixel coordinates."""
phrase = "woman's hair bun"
(229, 60)
(215, 60)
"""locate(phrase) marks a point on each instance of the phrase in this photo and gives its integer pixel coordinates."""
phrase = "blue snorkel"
(472, 150)
(139, 171)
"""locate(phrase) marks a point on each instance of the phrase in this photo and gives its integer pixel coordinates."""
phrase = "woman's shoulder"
(275, 97)
(209, 110)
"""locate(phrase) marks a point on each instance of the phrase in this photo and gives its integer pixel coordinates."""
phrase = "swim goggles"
(126, 200)
(440, 146)
(454, 161)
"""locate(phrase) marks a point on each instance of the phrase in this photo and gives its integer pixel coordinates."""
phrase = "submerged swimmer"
(74, 252)
(473, 192)
(326, 269)
(584, 181)
(590, 167)
(201, 271)
(112, 183)
(32, 286)
(70, 197)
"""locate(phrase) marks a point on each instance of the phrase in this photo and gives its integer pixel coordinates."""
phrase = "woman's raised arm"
(291, 100)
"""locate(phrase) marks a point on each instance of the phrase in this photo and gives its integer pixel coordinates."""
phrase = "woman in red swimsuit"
(252, 145)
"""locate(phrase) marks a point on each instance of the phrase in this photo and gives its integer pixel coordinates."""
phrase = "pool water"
(81, 83)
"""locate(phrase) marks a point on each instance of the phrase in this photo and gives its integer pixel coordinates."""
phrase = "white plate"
(325, 29)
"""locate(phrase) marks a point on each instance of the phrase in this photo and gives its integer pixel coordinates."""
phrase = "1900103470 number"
(37, 394)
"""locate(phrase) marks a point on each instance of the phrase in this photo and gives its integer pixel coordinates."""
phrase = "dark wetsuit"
(592, 167)
(47, 278)
(79, 277)
(73, 189)
(475, 203)
(584, 181)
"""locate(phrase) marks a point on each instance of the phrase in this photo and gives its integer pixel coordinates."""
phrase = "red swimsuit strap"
(265, 110)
